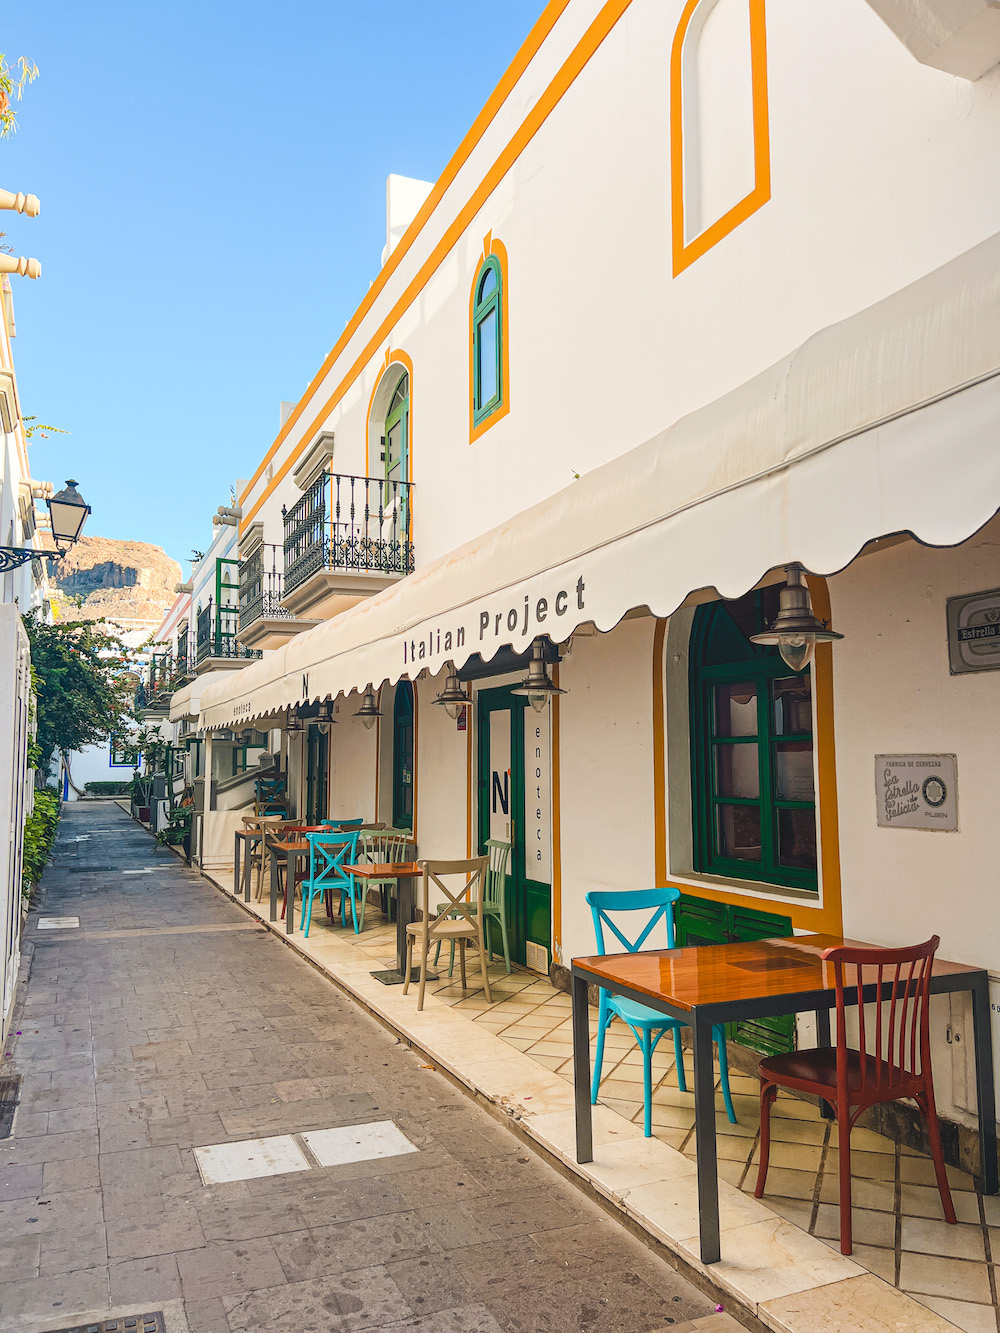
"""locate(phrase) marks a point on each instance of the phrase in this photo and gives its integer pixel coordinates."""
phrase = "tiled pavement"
(899, 1231)
(169, 1021)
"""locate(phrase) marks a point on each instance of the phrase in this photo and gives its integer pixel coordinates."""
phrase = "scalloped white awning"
(887, 422)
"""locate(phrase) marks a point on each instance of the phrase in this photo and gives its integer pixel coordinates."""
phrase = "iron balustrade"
(349, 524)
(260, 586)
(217, 634)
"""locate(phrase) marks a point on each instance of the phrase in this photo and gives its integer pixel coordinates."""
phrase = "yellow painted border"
(392, 358)
(491, 248)
(826, 916)
(565, 77)
(685, 255)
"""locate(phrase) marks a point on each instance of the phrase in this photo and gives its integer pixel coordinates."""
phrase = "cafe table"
(292, 849)
(404, 873)
(246, 836)
(724, 983)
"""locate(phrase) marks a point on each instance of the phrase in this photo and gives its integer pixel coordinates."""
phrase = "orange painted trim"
(826, 916)
(529, 49)
(556, 821)
(491, 248)
(401, 358)
(685, 254)
(659, 753)
(536, 117)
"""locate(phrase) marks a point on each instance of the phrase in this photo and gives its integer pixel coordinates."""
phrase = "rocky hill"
(130, 583)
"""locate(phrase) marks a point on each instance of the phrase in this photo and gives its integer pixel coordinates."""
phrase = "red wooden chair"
(898, 1065)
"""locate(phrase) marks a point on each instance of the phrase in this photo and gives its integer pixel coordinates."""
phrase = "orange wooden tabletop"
(392, 870)
(290, 846)
(720, 973)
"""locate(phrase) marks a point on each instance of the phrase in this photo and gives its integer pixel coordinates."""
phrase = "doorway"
(317, 775)
(514, 787)
(402, 757)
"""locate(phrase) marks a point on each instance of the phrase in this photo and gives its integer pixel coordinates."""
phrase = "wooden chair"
(460, 918)
(898, 1064)
(494, 903)
(381, 846)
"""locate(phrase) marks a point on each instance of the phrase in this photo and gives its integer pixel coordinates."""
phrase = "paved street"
(166, 1022)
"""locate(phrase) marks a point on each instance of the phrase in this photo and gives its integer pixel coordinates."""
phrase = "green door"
(514, 803)
(402, 756)
(317, 775)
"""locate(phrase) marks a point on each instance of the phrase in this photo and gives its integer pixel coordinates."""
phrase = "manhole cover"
(133, 1323)
(86, 870)
(10, 1090)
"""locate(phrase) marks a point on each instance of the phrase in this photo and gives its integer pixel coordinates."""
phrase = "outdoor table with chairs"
(705, 987)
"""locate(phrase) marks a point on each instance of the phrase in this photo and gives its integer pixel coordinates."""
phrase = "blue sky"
(212, 179)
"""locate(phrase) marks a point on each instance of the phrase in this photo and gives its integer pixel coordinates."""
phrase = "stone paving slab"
(158, 1028)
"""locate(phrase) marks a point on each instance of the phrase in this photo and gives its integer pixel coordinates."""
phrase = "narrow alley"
(157, 1024)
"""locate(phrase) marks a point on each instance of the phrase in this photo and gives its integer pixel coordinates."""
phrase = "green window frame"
(751, 750)
(487, 341)
(396, 464)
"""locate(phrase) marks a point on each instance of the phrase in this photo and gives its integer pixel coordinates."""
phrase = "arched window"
(752, 749)
(487, 341)
(402, 756)
(396, 440)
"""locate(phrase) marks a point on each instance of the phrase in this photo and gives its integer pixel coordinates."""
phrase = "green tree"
(85, 691)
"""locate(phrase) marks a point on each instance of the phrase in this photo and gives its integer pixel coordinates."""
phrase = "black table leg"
(247, 863)
(823, 1039)
(290, 892)
(236, 867)
(274, 887)
(985, 1095)
(704, 1137)
(581, 1071)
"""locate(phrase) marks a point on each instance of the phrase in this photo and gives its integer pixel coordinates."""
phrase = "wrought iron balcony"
(216, 637)
(346, 525)
(156, 684)
(260, 587)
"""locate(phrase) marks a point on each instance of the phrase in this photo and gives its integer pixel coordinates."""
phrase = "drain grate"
(10, 1090)
(132, 1323)
(85, 870)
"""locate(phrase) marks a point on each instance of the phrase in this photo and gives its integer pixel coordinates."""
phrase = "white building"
(23, 589)
(704, 293)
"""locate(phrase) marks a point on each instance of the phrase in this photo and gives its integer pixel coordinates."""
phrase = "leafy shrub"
(107, 788)
(39, 836)
(178, 828)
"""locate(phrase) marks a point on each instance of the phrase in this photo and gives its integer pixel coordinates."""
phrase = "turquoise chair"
(330, 856)
(648, 1025)
(342, 825)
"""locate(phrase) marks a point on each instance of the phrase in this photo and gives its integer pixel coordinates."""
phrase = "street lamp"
(292, 720)
(368, 712)
(453, 697)
(796, 629)
(538, 688)
(68, 511)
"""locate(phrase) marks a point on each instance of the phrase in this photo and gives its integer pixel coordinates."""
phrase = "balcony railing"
(349, 524)
(217, 635)
(260, 586)
(157, 683)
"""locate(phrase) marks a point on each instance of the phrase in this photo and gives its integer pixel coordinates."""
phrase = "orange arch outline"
(391, 358)
(685, 255)
(491, 247)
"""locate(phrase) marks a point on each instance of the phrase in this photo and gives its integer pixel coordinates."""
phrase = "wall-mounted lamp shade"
(292, 720)
(325, 719)
(537, 687)
(68, 511)
(453, 697)
(368, 712)
(796, 629)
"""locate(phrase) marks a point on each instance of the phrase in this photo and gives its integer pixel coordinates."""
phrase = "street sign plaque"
(974, 632)
(917, 791)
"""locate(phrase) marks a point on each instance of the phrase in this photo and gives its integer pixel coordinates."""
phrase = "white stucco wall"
(352, 764)
(606, 772)
(441, 767)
